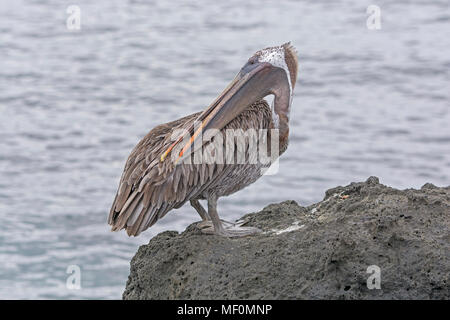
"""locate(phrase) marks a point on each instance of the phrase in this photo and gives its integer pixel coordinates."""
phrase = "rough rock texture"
(316, 252)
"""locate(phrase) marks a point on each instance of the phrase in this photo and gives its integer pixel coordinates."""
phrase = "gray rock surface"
(316, 252)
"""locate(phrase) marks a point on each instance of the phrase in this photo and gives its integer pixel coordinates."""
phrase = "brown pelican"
(154, 181)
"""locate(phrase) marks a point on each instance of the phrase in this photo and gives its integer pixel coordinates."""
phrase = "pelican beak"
(255, 81)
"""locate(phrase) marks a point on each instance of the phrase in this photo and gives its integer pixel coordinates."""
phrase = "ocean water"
(73, 103)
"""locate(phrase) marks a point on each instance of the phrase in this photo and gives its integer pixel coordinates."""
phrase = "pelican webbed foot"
(231, 231)
(209, 224)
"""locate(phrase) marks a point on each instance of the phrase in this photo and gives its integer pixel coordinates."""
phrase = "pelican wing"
(149, 188)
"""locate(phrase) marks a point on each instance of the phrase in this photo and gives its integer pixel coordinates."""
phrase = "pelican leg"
(199, 208)
(226, 229)
(206, 220)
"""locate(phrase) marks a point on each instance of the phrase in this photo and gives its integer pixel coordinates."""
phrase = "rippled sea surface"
(74, 103)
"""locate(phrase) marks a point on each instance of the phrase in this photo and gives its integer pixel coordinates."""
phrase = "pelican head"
(270, 71)
(283, 57)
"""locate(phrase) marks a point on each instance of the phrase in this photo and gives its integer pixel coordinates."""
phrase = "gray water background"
(74, 103)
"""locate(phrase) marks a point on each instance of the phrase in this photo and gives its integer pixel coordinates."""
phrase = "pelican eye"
(252, 60)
